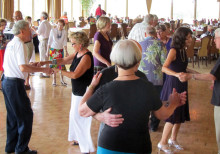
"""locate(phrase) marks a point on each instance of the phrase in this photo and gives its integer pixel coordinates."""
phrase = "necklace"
(182, 55)
(59, 35)
(126, 75)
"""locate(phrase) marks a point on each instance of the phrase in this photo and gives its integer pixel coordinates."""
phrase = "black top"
(109, 74)
(216, 95)
(80, 84)
(134, 99)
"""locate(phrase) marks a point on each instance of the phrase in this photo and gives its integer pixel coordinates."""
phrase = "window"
(207, 9)
(39, 7)
(67, 8)
(15, 5)
(26, 8)
(77, 9)
(162, 8)
(95, 5)
(116, 7)
(184, 10)
(139, 9)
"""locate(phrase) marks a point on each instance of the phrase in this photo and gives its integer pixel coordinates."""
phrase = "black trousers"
(19, 115)
(36, 44)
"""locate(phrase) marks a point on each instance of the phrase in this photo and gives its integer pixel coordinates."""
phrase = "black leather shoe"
(27, 152)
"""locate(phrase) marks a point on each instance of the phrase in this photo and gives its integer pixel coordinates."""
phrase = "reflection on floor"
(51, 107)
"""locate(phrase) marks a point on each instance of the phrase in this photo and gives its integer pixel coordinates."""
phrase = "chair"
(213, 51)
(124, 33)
(114, 31)
(190, 51)
(203, 51)
(35, 23)
(92, 31)
(72, 24)
(82, 23)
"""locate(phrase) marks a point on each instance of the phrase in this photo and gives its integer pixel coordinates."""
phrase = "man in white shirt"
(29, 44)
(138, 32)
(18, 105)
(43, 35)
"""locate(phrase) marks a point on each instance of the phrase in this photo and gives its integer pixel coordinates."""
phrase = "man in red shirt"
(98, 12)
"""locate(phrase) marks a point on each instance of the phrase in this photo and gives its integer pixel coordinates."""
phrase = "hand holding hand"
(177, 99)
(56, 70)
(113, 120)
(48, 70)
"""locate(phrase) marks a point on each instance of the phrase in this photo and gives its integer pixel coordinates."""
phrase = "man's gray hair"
(217, 32)
(126, 54)
(18, 26)
(65, 13)
(148, 19)
(44, 15)
(155, 17)
(151, 31)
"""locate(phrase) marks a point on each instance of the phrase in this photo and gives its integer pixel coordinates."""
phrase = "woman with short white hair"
(130, 96)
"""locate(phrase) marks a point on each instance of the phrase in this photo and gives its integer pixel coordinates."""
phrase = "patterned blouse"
(153, 56)
(2, 40)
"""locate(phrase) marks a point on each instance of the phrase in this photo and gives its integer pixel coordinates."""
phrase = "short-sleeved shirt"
(105, 49)
(216, 90)
(109, 74)
(134, 99)
(54, 40)
(15, 55)
(44, 30)
(153, 56)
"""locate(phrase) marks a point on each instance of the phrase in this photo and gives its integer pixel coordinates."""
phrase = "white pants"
(43, 51)
(217, 125)
(79, 127)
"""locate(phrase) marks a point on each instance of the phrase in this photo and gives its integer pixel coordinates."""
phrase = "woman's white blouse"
(54, 41)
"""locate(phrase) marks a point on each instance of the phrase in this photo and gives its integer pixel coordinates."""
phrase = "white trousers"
(43, 51)
(79, 127)
(217, 125)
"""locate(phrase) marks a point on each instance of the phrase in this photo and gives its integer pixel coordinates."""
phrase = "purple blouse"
(105, 49)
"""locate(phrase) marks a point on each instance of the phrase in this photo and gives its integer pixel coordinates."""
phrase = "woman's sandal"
(165, 148)
(175, 144)
(63, 83)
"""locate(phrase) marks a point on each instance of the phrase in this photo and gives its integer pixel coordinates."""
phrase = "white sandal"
(165, 148)
(175, 144)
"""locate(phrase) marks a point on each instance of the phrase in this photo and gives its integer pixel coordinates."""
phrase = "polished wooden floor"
(51, 107)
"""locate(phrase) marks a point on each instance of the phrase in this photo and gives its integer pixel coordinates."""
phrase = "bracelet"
(193, 77)
(91, 87)
(54, 61)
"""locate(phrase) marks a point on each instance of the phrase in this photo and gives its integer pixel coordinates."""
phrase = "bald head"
(17, 16)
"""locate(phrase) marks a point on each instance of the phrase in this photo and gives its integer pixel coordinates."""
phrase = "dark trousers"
(154, 121)
(36, 44)
(19, 115)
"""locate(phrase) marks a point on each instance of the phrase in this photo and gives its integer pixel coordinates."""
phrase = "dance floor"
(51, 107)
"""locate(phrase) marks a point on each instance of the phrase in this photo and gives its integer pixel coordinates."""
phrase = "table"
(8, 34)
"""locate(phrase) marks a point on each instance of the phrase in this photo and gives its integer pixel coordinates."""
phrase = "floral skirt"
(57, 54)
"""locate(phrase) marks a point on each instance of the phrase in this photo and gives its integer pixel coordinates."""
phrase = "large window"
(207, 9)
(135, 9)
(39, 6)
(26, 7)
(67, 8)
(162, 8)
(15, 5)
(77, 9)
(116, 7)
(95, 5)
(183, 10)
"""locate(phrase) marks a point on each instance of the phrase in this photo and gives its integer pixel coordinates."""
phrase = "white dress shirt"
(54, 41)
(44, 30)
(138, 32)
(15, 55)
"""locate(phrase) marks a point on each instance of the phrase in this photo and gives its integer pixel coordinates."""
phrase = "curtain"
(49, 8)
(148, 5)
(8, 9)
(57, 8)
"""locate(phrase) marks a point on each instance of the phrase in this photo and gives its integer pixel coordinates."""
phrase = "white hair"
(44, 15)
(126, 54)
(148, 19)
(18, 26)
(217, 32)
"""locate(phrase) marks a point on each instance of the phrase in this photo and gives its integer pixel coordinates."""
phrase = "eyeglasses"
(73, 44)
